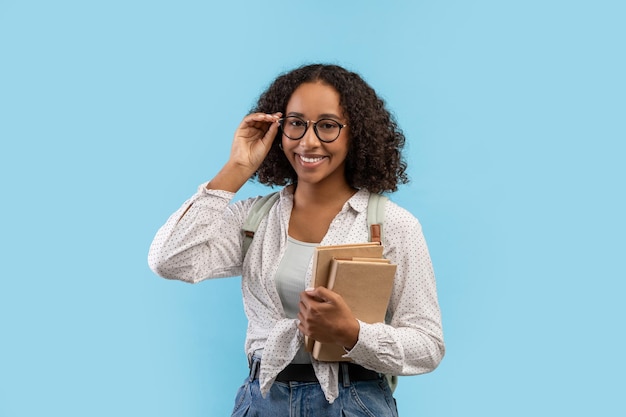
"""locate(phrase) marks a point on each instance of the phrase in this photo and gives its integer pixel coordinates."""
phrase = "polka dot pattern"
(206, 242)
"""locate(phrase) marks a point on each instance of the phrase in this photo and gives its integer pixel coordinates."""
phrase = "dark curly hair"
(374, 159)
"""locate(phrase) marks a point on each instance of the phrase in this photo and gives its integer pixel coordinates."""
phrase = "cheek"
(346, 149)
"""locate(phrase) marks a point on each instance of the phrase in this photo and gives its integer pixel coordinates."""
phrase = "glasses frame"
(308, 124)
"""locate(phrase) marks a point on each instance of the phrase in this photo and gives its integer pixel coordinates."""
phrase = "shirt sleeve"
(201, 240)
(411, 342)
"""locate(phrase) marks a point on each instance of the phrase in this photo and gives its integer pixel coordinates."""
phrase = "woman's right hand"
(253, 140)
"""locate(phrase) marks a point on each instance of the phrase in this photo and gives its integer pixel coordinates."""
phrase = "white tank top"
(291, 281)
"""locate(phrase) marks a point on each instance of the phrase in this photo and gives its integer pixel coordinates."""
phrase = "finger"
(302, 324)
(303, 330)
(302, 320)
(260, 126)
(320, 294)
(307, 298)
(262, 117)
(271, 132)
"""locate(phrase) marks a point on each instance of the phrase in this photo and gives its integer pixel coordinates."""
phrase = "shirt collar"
(358, 202)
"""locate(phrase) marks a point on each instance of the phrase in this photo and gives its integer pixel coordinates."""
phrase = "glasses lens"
(294, 127)
(328, 129)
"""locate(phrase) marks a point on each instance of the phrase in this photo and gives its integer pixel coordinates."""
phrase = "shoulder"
(398, 216)
(400, 226)
(260, 205)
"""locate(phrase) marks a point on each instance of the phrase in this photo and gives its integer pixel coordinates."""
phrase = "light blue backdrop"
(112, 112)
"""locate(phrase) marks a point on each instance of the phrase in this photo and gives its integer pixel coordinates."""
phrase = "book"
(323, 256)
(365, 285)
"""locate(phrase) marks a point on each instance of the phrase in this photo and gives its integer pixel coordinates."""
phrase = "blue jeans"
(306, 399)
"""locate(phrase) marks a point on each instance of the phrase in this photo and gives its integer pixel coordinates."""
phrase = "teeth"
(311, 160)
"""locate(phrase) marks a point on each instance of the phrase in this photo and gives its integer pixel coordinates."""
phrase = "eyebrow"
(321, 116)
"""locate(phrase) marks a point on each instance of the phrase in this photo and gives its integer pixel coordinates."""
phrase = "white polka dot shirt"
(207, 243)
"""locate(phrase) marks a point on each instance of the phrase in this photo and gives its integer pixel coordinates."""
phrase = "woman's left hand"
(324, 316)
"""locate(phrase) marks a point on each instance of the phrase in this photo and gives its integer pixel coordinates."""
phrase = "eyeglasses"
(326, 130)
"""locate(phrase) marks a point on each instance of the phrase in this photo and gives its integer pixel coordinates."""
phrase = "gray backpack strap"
(376, 216)
(392, 380)
(375, 219)
(259, 210)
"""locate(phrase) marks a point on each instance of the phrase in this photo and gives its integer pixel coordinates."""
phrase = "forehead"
(312, 99)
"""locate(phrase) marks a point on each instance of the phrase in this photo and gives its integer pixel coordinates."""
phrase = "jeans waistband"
(305, 373)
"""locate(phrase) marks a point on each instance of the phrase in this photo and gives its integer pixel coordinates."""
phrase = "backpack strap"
(376, 216)
(259, 210)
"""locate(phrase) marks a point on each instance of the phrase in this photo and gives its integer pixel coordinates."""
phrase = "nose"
(310, 139)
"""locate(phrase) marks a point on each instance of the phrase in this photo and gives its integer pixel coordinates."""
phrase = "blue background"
(112, 112)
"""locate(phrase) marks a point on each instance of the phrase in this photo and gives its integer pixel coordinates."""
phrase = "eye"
(327, 124)
(295, 122)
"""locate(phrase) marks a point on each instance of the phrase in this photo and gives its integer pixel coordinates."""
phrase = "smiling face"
(314, 161)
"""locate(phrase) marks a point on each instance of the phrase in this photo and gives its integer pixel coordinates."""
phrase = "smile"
(311, 160)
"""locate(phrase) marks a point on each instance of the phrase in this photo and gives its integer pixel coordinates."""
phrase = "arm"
(203, 238)
(411, 342)
(203, 243)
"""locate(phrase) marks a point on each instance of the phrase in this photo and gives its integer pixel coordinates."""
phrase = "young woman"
(322, 133)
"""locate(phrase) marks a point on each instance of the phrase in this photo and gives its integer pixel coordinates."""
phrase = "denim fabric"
(306, 399)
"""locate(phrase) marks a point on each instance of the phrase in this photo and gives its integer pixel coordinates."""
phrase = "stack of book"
(364, 279)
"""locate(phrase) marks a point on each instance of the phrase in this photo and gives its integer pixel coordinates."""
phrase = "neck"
(321, 195)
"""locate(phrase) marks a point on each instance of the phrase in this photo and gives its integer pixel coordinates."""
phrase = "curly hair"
(374, 159)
